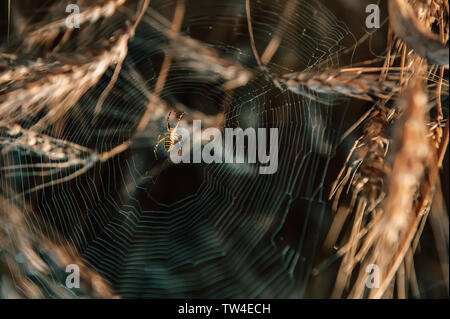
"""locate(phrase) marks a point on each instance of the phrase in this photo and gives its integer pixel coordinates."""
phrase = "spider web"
(194, 230)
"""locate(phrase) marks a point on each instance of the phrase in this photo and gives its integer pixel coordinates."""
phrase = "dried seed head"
(357, 83)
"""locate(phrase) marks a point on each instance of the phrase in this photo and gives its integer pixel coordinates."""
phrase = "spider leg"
(167, 123)
(179, 119)
(178, 137)
(156, 146)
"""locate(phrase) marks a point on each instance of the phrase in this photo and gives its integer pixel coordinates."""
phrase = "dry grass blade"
(176, 26)
(197, 56)
(205, 60)
(274, 43)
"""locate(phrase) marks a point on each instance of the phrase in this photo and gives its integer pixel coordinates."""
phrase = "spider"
(170, 137)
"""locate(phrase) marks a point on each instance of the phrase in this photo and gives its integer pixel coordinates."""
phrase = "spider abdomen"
(169, 141)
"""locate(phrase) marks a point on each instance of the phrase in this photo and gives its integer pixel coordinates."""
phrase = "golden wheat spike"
(359, 83)
(398, 221)
(59, 89)
(50, 31)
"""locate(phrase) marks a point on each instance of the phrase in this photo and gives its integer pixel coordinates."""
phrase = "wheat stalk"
(60, 87)
(415, 34)
(363, 172)
(397, 223)
(360, 83)
(388, 186)
(47, 33)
